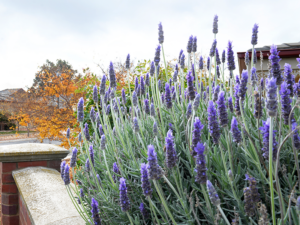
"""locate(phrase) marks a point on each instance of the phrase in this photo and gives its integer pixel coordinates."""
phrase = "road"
(28, 140)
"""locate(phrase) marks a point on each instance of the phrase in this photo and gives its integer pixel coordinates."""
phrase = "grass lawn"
(14, 132)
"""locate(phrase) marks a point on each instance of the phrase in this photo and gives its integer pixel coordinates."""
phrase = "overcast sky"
(90, 32)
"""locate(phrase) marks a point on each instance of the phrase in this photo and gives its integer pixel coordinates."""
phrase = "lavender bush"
(169, 152)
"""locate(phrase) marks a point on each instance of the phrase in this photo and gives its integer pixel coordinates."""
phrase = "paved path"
(28, 140)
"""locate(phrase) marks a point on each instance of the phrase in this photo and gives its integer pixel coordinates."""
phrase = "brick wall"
(10, 212)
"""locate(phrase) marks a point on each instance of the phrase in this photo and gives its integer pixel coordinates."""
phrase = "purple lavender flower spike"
(262, 85)
(92, 115)
(237, 108)
(123, 97)
(254, 34)
(157, 55)
(67, 175)
(253, 76)
(155, 172)
(196, 102)
(213, 195)
(237, 79)
(289, 77)
(86, 132)
(180, 54)
(218, 57)
(171, 154)
(296, 137)
(297, 89)
(112, 76)
(79, 137)
(134, 98)
(213, 124)
(81, 193)
(257, 105)
(230, 105)
(160, 34)
(182, 61)
(68, 133)
(208, 63)
(230, 57)
(275, 67)
(106, 97)
(146, 106)
(155, 129)
(163, 98)
(124, 200)
(144, 211)
(218, 71)
(247, 60)
(265, 130)
(196, 137)
(91, 150)
(95, 94)
(142, 85)
(95, 212)
(170, 83)
(253, 188)
(136, 83)
(194, 47)
(216, 91)
(286, 103)
(243, 86)
(136, 127)
(175, 75)
(190, 84)
(236, 133)
(152, 69)
(254, 57)
(102, 85)
(101, 130)
(213, 48)
(200, 169)
(168, 99)
(80, 114)
(152, 110)
(102, 142)
(127, 63)
(146, 185)
(249, 204)
(223, 56)
(190, 44)
(62, 169)
(201, 64)
(189, 111)
(204, 95)
(222, 112)
(271, 97)
(159, 84)
(116, 171)
(147, 80)
(215, 25)
(73, 158)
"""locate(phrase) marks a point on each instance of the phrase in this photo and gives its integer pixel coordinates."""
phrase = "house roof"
(7, 94)
(279, 47)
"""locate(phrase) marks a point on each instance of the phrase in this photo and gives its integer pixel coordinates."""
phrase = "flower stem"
(223, 214)
(271, 170)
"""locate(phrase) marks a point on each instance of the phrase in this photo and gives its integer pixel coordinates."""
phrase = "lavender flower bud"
(257, 105)
(201, 64)
(79, 137)
(101, 130)
(182, 61)
(67, 175)
(237, 100)
(213, 48)
(255, 196)
(271, 97)
(103, 142)
(95, 212)
(189, 111)
(80, 114)
(102, 86)
(142, 86)
(92, 115)
(175, 75)
(180, 54)
(254, 34)
(254, 57)
(208, 63)
(62, 169)
(237, 79)
(168, 99)
(86, 132)
(155, 129)
(190, 85)
(196, 102)
(262, 85)
(190, 44)
(218, 61)
(194, 47)
(87, 166)
(68, 133)
(152, 69)
(124, 200)
(223, 117)
(230, 57)
(112, 76)
(147, 80)
(230, 105)
(236, 133)
(249, 205)
(127, 63)
(146, 106)
(160, 34)
(116, 171)
(204, 95)
(91, 151)
(146, 185)
(159, 84)
(215, 25)
(136, 127)
(223, 56)
(200, 169)
(213, 124)
(213, 195)
(106, 97)
(144, 211)
(243, 86)
(152, 110)
(134, 99)
(286, 103)
(95, 94)
(265, 130)
(73, 158)
(196, 136)
(296, 137)
(253, 76)
(275, 67)
(157, 55)
(112, 93)
(247, 60)
(171, 154)
(123, 97)
(216, 92)
(289, 77)
(154, 170)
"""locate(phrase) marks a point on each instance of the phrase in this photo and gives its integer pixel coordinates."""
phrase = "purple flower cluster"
(265, 130)
(271, 101)
(95, 212)
(213, 195)
(275, 71)
(247, 60)
(213, 124)
(257, 105)
(116, 172)
(289, 78)
(243, 85)
(124, 200)
(200, 164)
(190, 44)
(216, 91)
(194, 47)
(237, 108)
(254, 34)
(222, 112)
(230, 105)
(146, 185)
(230, 57)
(160, 34)
(112, 76)
(80, 114)
(190, 84)
(127, 62)
(144, 211)
(215, 25)
(171, 154)
(296, 137)
(218, 61)
(168, 98)
(286, 103)
(157, 56)
(86, 132)
(155, 172)
(213, 48)
(201, 64)
(73, 158)
(236, 133)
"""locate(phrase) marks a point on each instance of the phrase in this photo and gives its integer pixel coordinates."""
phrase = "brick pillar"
(32, 155)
